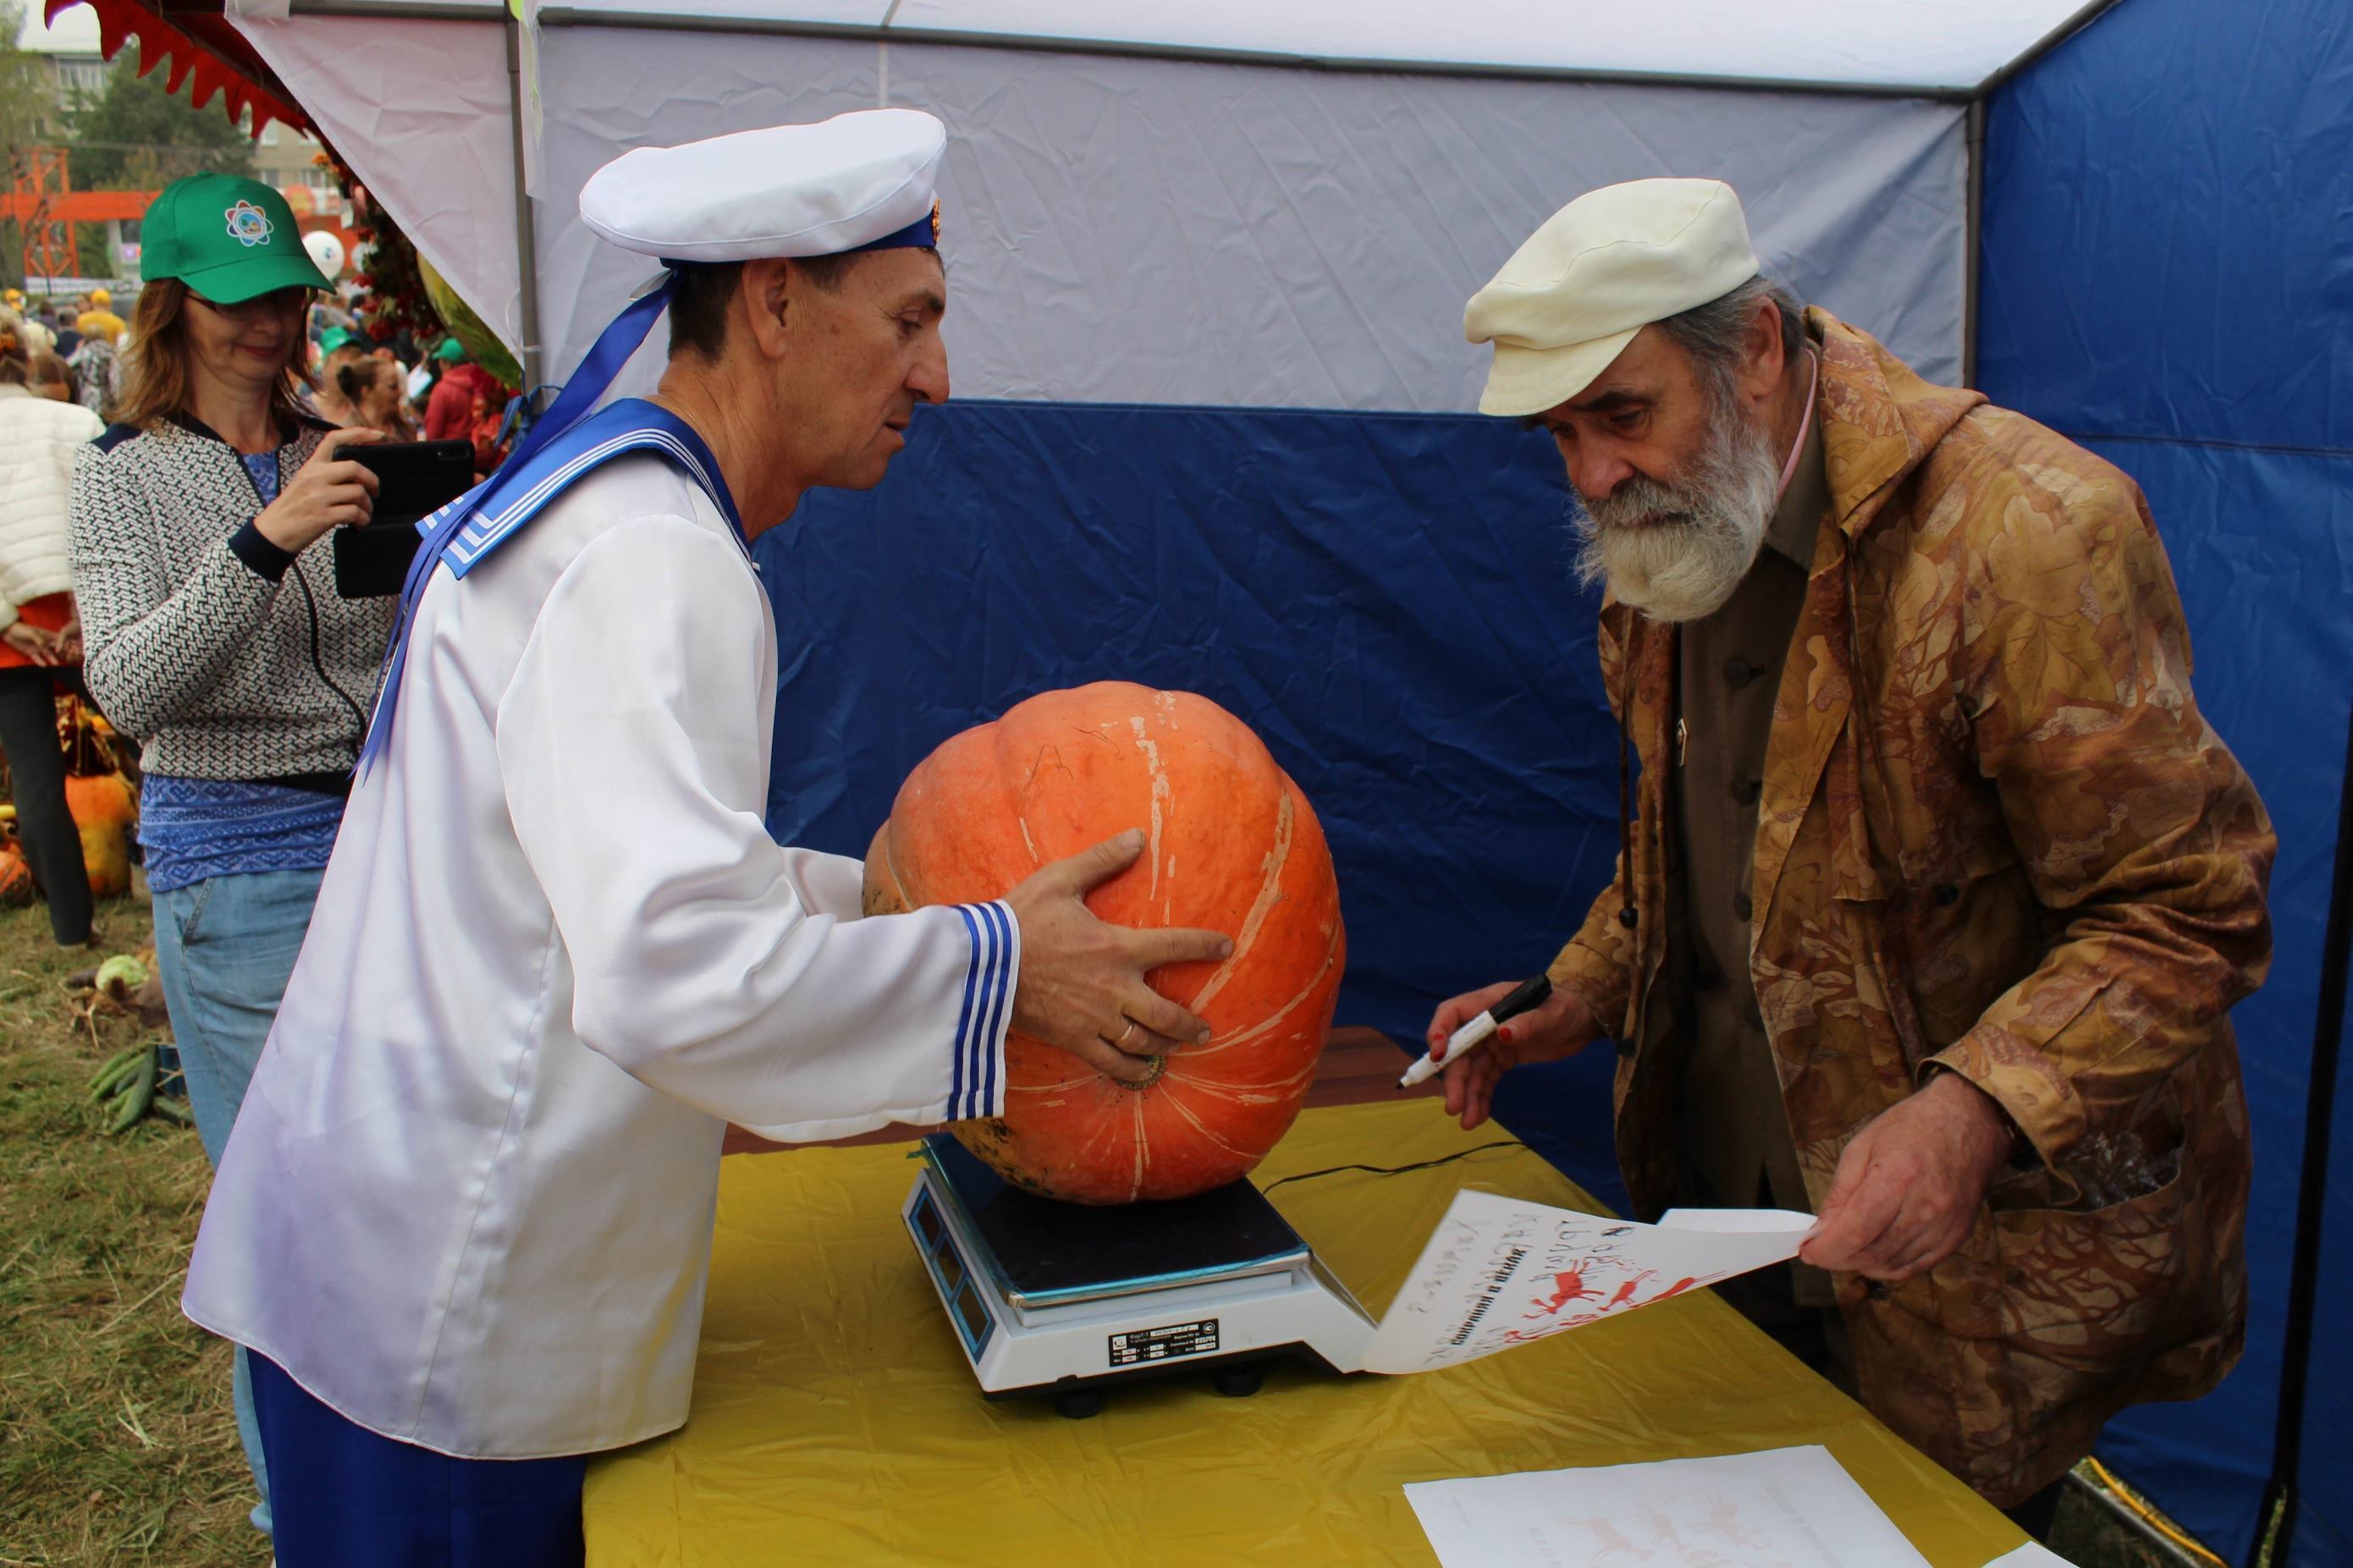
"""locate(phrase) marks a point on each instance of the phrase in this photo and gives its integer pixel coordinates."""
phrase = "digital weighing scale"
(1064, 1300)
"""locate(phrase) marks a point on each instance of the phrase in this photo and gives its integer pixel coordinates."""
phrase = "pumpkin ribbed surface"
(1232, 845)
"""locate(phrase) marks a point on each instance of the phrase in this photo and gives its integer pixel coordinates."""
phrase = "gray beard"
(1677, 551)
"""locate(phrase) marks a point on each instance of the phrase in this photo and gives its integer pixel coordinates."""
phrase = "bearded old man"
(1937, 887)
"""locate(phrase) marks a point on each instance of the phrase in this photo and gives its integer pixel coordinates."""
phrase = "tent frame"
(2279, 1505)
(532, 352)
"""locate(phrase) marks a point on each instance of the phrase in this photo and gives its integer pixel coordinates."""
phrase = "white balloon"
(326, 250)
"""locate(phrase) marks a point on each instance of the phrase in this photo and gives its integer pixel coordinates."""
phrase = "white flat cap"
(1600, 271)
(856, 180)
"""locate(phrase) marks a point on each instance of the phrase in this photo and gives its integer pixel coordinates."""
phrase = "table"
(835, 1420)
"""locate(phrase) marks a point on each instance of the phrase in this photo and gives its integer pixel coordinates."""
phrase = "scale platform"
(1063, 1300)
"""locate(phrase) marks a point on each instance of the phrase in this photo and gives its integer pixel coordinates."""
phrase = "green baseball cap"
(227, 237)
(333, 339)
(450, 351)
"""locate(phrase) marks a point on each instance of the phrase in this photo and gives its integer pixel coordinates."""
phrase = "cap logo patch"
(936, 222)
(248, 225)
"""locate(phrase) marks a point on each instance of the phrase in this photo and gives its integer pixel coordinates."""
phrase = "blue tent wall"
(1386, 598)
(2168, 276)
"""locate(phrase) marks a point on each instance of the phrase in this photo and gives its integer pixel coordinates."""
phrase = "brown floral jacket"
(1996, 838)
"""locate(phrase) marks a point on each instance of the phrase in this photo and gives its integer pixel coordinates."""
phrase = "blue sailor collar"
(627, 424)
(567, 444)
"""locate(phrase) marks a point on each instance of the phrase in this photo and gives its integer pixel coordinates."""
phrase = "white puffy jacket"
(38, 439)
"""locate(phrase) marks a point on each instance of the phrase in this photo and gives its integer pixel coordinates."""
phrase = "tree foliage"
(135, 136)
(25, 112)
(24, 85)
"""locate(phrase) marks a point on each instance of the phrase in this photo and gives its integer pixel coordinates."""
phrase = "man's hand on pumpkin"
(1560, 1027)
(1909, 1186)
(1081, 988)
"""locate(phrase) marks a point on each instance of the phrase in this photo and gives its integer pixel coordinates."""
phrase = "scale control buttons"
(1139, 1347)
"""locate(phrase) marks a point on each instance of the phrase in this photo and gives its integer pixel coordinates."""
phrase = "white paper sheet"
(1499, 1272)
(1784, 1508)
(2030, 1555)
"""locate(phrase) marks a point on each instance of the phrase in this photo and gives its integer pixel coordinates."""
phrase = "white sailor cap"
(861, 181)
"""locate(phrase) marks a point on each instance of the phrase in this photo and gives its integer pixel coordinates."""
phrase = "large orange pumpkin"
(1232, 847)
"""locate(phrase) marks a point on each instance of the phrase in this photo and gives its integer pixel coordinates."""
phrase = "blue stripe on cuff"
(972, 971)
(978, 1050)
(993, 1034)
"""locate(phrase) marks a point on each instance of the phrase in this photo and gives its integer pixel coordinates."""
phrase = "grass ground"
(116, 1443)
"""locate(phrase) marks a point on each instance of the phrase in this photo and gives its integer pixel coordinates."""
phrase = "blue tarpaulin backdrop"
(2168, 276)
(1385, 598)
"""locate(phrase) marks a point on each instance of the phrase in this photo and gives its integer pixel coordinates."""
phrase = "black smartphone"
(416, 479)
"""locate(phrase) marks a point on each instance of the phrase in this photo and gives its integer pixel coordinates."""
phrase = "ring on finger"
(1124, 1035)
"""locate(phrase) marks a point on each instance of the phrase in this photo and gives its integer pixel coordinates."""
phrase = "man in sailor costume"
(463, 1224)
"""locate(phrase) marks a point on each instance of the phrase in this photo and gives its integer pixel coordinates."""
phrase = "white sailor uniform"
(467, 1203)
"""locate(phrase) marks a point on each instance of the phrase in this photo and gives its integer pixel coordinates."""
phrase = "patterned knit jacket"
(227, 657)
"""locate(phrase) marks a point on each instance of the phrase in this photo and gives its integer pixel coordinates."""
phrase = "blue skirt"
(343, 1497)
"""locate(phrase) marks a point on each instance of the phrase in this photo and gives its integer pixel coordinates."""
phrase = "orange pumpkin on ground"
(105, 810)
(1232, 847)
(15, 878)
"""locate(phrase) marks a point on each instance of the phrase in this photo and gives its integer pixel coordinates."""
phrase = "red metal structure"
(43, 202)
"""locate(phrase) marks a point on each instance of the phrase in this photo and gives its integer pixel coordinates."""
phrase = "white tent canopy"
(1223, 203)
(1928, 44)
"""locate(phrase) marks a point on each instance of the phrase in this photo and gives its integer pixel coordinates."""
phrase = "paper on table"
(1745, 1221)
(1784, 1508)
(1499, 1272)
(2030, 1555)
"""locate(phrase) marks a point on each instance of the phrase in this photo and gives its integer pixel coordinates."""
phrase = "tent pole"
(1972, 236)
(2312, 1197)
(526, 236)
(403, 10)
(867, 32)
(2082, 17)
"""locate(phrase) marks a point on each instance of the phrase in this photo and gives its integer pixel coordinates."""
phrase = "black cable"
(311, 601)
(1398, 1170)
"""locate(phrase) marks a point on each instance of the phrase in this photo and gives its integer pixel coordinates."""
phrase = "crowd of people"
(68, 365)
(74, 346)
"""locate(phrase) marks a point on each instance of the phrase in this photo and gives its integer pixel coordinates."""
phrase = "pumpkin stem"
(1159, 1065)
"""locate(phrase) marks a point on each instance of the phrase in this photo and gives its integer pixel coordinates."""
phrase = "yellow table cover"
(835, 1419)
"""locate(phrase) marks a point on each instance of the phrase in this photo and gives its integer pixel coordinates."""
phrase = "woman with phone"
(213, 632)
